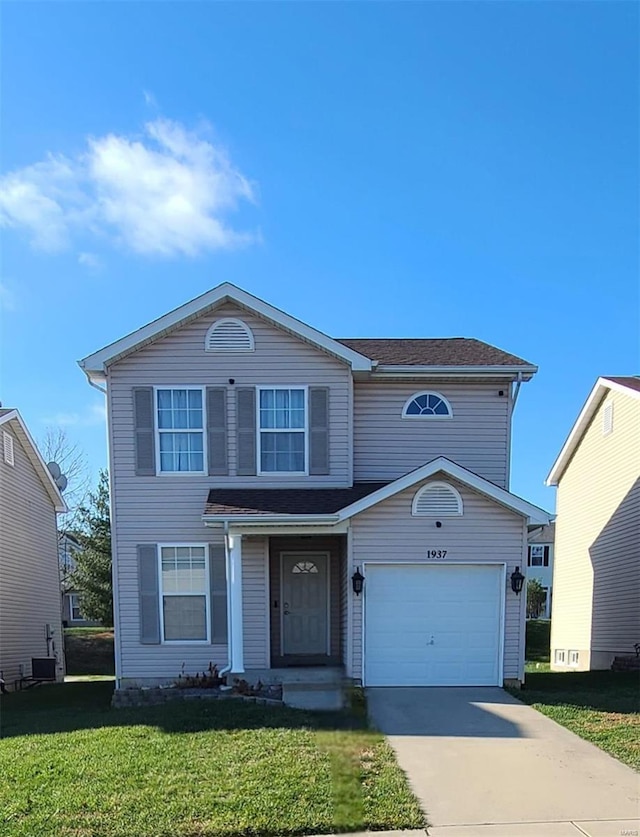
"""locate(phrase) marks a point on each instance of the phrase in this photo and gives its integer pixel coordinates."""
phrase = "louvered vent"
(7, 444)
(607, 419)
(229, 336)
(437, 499)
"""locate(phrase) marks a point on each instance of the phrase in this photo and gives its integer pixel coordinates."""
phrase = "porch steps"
(318, 696)
(305, 687)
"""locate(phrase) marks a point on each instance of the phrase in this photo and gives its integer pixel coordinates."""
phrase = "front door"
(305, 600)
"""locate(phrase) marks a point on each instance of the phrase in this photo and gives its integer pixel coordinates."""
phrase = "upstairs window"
(427, 405)
(538, 556)
(282, 431)
(229, 335)
(180, 430)
(437, 499)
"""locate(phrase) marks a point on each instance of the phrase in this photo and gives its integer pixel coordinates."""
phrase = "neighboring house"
(261, 471)
(30, 622)
(596, 581)
(72, 615)
(540, 563)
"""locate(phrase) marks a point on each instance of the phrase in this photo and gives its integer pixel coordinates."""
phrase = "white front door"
(433, 625)
(305, 601)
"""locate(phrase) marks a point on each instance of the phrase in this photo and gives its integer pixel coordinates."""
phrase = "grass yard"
(538, 641)
(89, 650)
(73, 767)
(601, 706)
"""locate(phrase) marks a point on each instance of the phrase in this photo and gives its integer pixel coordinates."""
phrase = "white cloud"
(93, 414)
(166, 193)
(7, 298)
(91, 261)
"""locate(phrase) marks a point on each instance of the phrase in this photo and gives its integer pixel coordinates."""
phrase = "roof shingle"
(294, 501)
(441, 351)
(631, 381)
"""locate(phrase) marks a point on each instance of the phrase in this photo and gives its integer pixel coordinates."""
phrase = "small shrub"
(209, 679)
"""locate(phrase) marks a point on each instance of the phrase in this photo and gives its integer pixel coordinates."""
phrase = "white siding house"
(30, 620)
(258, 466)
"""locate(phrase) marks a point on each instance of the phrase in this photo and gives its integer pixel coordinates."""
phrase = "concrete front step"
(299, 674)
(319, 696)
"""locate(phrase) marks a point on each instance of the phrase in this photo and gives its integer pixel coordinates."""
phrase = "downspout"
(95, 386)
(516, 392)
(227, 565)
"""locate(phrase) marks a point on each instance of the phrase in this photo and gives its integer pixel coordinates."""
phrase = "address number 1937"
(436, 553)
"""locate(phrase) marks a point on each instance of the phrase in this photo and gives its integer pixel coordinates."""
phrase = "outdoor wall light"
(357, 580)
(517, 581)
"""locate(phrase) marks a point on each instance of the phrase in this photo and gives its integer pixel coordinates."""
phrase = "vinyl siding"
(169, 508)
(30, 590)
(596, 580)
(486, 532)
(386, 446)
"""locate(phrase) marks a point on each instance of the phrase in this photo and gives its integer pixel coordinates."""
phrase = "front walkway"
(477, 757)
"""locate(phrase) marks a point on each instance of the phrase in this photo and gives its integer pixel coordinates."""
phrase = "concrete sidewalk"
(483, 764)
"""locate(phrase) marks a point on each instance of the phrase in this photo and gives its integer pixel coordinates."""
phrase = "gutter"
(215, 521)
(522, 372)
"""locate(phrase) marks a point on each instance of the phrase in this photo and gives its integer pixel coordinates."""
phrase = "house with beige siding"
(286, 504)
(596, 579)
(30, 620)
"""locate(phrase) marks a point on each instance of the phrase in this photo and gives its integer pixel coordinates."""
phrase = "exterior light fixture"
(357, 580)
(517, 581)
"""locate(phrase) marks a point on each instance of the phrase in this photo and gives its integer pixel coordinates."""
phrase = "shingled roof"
(630, 381)
(440, 351)
(294, 501)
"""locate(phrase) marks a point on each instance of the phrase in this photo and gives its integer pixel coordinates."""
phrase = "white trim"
(587, 412)
(452, 563)
(37, 461)
(427, 417)
(157, 431)
(114, 544)
(216, 325)
(7, 449)
(71, 597)
(350, 606)
(305, 430)
(207, 593)
(456, 371)
(95, 365)
(429, 487)
(534, 514)
(236, 637)
(267, 587)
(327, 557)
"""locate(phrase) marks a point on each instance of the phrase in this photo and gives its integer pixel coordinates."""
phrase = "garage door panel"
(432, 625)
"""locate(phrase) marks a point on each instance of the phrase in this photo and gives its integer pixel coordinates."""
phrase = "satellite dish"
(62, 482)
(54, 470)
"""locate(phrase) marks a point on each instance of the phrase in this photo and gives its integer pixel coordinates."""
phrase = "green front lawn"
(601, 706)
(73, 767)
(89, 650)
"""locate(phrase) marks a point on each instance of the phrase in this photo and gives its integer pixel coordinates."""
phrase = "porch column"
(236, 638)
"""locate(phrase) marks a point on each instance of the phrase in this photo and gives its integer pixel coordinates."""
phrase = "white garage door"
(432, 625)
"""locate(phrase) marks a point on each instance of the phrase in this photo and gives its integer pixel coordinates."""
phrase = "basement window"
(560, 657)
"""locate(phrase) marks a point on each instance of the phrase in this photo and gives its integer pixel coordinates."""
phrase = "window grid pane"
(282, 452)
(185, 618)
(184, 570)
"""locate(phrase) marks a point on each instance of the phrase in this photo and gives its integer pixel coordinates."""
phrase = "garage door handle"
(431, 641)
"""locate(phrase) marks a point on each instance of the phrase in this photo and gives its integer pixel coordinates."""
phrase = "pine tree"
(92, 574)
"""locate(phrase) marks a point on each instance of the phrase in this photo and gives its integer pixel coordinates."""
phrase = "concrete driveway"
(485, 765)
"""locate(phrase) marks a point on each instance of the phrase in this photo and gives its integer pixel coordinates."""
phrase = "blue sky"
(376, 169)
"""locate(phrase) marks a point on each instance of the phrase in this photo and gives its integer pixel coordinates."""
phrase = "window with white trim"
(184, 593)
(538, 555)
(180, 428)
(574, 658)
(429, 405)
(607, 419)
(75, 612)
(7, 446)
(282, 436)
(437, 499)
(560, 657)
(229, 335)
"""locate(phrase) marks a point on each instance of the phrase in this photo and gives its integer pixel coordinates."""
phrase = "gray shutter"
(148, 594)
(144, 442)
(218, 591)
(318, 430)
(246, 431)
(545, 560)
(217, 430)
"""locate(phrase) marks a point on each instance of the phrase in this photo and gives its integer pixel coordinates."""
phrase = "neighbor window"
(180, 430)
(282, 430)
(183, 593)
(427, 405)
(560, 657)
(574, 658)
(538, 556)
(74, 608)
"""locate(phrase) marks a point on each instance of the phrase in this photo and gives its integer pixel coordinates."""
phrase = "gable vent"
(229, 336)
(7, 446)
(607, 419)
(437, 499)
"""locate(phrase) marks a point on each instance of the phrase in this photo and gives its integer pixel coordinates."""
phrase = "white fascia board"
(527, 372)
(534, 514)
(94, 365)
(600, 389)
(38, 462)
(257, 521)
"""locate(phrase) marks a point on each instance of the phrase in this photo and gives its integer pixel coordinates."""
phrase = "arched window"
(305, 567)
(437, 499)
(430, 405)
(229, 335)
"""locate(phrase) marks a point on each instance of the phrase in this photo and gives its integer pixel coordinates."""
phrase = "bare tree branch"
(56, 446)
